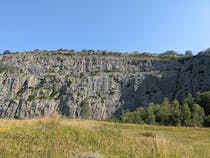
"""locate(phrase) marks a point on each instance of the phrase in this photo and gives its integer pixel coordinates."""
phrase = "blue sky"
(117, 25)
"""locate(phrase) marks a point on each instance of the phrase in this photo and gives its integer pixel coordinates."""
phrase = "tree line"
(193, 112)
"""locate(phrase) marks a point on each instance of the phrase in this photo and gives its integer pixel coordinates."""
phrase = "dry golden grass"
(55, 136)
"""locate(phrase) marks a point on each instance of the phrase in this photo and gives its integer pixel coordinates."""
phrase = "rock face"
(94, 86)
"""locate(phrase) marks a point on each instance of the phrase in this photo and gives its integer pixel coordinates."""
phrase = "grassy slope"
(60, 137)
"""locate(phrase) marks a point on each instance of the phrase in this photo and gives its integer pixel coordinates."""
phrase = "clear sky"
(117, 25)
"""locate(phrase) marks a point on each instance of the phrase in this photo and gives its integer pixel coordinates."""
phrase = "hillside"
(95, 84)
(60, 137)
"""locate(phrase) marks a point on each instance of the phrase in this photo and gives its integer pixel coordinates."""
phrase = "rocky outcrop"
(94, 86)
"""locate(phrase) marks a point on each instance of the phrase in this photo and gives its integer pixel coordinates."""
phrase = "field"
(60, 137)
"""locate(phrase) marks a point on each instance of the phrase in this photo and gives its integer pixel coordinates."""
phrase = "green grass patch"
(59, 137)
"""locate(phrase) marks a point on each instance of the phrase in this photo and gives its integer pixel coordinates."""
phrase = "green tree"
(197, 115)
(207, 121)
(176, 113)
(186, 115)
(133, 117)
(7, 52)
(189, 100)
(163, 113)
(149, 115)
(127, 117)
(188, 53)
(139, 115)
(36, 50)
(156, 111)
(203, 99)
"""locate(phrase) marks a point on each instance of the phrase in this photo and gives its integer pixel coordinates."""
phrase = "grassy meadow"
(58, 137)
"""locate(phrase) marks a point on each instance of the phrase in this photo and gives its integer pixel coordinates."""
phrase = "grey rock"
(41, 84)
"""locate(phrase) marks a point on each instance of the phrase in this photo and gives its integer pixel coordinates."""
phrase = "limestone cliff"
(93, 85)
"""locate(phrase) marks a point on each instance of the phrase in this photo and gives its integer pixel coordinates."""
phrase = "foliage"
(31, 97)
(186, 115)
(7, 52)
(168, 55)
(188, 53)
(191, 113)
(207, 121)
(85, 109)
(203, 99)
(2, 68)
(164, 112)
(176, 113)
(149, 115)
(205, 52)
(36, 50)
(5, 68)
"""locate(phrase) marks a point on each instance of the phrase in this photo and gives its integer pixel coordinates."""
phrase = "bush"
(85, 109)
(188, 53)
(5, 68)
(207, 121)
(7, 52)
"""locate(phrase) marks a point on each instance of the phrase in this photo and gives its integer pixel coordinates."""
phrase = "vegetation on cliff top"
(141, 55)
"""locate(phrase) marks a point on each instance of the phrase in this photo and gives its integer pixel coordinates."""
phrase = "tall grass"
(59, 137)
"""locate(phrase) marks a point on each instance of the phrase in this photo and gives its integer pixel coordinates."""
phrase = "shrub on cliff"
(5, 68)
(84, 109)
(7, 52)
